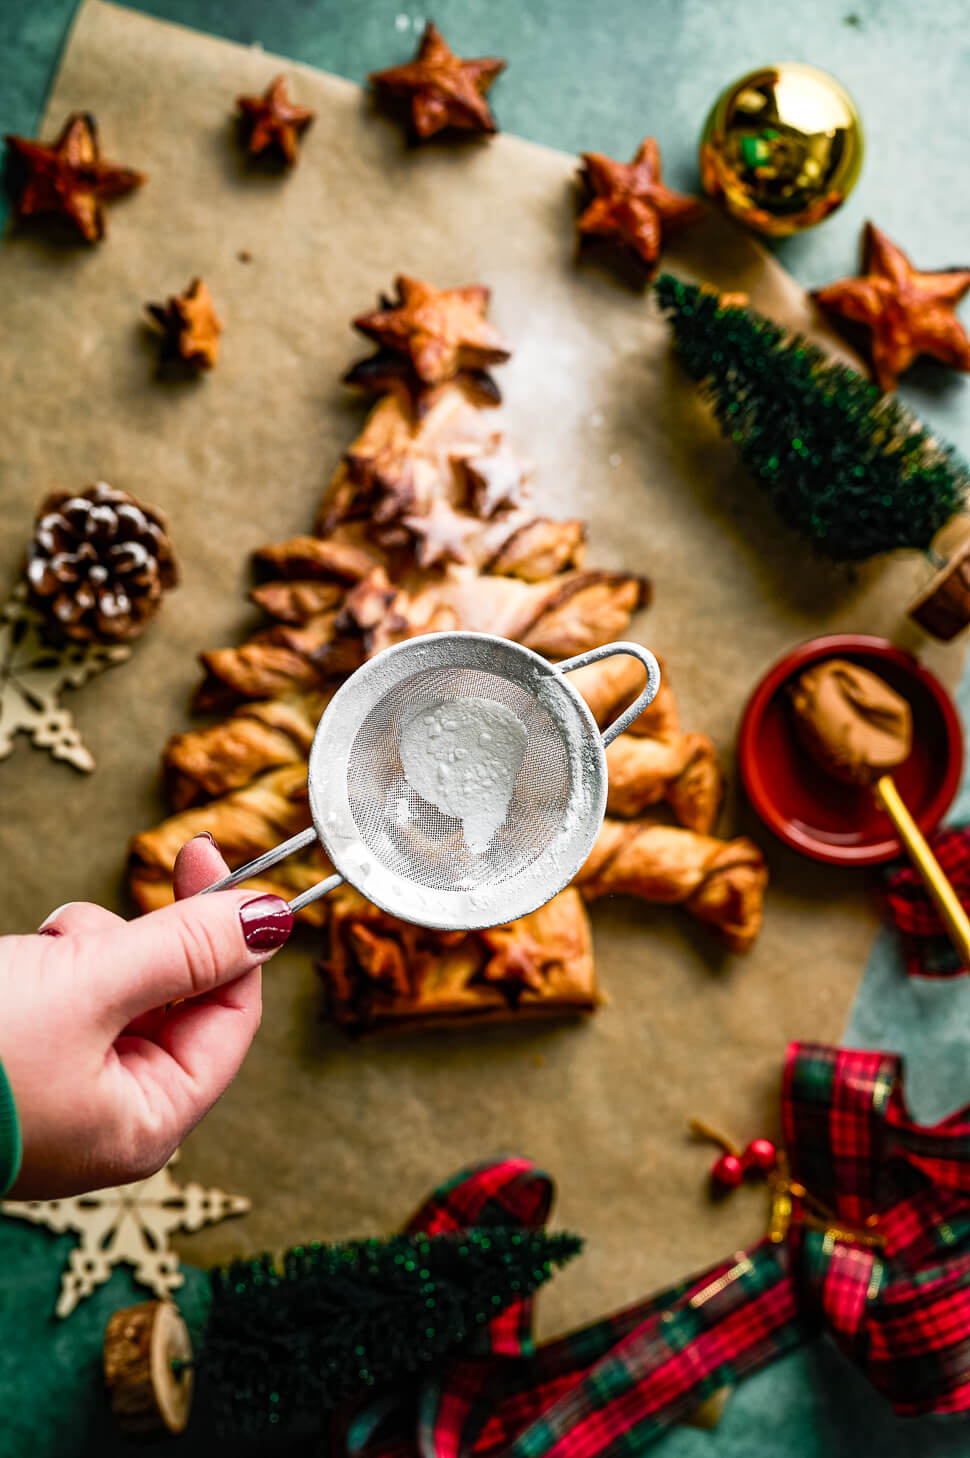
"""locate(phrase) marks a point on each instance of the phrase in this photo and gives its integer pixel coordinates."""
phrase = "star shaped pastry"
(397, 480)
(516, 959)
(495, 476)
(443, 89)
(389, 469)
(68, 179)
(441, 534)
(441, 331)
(367, 603)
(386, 372)
(907, 313)
(190, 327)
(630, 205)
(273, 123)
(381, 958)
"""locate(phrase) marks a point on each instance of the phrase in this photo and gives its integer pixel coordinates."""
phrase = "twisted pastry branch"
(558, 617)
(655, 759)
(683, 770)
(245, 824)
(203, 764)
(720, 882)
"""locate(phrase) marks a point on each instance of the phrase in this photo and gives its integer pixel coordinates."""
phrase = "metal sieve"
(404, 853)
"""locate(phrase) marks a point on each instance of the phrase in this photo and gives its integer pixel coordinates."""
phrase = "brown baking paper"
(331, 1139)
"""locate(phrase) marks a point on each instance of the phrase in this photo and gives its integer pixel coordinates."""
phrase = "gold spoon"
(857, 729)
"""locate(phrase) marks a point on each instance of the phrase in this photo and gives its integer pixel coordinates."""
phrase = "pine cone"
(98, 564)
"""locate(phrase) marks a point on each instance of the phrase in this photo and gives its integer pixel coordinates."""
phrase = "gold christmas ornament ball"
(782, 148)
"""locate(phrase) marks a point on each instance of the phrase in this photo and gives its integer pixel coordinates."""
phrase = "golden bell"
(782, 148)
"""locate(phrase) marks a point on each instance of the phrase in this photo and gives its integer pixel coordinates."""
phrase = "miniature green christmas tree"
(853, 471)
(284, 1345)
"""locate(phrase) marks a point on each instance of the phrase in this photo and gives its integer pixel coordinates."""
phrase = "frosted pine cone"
(98, 564)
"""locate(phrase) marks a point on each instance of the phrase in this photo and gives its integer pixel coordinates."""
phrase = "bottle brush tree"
(284, 1344)
(853, 471)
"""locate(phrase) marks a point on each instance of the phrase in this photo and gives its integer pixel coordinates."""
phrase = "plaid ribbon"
(900, 1311)
(927, 950)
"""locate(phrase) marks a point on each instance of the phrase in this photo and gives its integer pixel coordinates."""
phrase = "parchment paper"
(327, 1138)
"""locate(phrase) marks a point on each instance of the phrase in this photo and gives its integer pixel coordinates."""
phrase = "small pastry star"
(395, 478)
(367, 603)
(381, 959)
(68, 180)
(190, 327)
(387, 372)
(908, 313)
(441, 534)
(630, 204)
(442, 331)
(444, 90)
(390, 470)
(273, 123)
(517, 960)
(496, 476)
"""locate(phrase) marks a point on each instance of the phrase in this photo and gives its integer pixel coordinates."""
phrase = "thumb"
(186, 949)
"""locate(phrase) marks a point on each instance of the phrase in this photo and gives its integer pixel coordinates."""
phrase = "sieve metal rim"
(333, 816)
(587, 762)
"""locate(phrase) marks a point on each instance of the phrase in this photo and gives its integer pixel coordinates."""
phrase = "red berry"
(760, 1155)
(727, 1172)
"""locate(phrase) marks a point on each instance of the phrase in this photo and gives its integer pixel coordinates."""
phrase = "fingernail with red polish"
(266, 922)
(50, 931)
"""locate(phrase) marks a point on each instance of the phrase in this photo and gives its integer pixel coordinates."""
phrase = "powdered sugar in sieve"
(464, 756)
(457, 780)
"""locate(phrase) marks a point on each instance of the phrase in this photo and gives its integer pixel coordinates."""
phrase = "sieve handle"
(272, 858)
(648, 694)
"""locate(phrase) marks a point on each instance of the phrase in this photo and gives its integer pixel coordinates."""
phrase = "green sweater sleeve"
(10, 1146)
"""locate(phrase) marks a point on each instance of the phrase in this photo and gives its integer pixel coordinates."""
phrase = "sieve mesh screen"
(414, 839)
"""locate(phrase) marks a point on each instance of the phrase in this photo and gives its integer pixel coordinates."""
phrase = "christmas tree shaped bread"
(427, 525)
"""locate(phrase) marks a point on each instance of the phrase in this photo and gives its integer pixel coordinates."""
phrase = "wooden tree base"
(144, 1349)
(944, 608)
(146, 1346)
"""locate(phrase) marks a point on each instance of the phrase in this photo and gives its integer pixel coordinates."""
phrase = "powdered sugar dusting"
(464, 756)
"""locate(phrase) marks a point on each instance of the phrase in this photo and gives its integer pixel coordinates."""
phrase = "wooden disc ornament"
(782, 148)
(943, 607)
(148, 1368)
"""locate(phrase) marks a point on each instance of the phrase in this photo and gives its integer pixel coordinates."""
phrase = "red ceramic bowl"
(819, 816)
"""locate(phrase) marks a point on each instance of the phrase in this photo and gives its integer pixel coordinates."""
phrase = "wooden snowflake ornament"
(128, 1225)
(32, 677)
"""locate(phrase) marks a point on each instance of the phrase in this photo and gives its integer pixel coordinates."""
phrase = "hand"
(118, 1036)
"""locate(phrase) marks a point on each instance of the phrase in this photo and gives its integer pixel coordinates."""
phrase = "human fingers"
(199, 864)
(78, 917)
(185, 950)
(192, 1056)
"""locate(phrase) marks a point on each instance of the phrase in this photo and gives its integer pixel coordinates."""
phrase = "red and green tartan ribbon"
(900, 1309)
(927, 949)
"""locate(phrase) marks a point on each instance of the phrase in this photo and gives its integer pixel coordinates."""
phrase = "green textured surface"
(10, 1147)
(599, 77)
